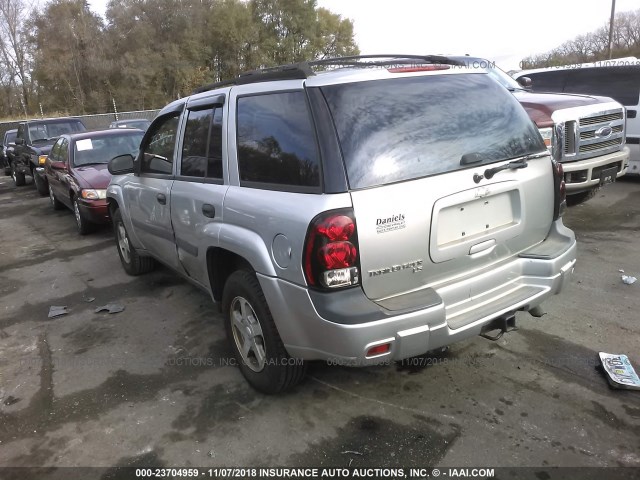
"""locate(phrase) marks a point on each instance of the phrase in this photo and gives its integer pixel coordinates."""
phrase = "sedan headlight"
(42, 159)
(93, 194)
(547, 136)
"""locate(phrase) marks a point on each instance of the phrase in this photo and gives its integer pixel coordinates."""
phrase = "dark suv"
(33, 143)
(358, 215)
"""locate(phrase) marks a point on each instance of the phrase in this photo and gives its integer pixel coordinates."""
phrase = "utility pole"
(613, 14)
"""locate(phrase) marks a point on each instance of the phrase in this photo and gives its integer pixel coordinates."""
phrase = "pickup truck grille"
(588, 136)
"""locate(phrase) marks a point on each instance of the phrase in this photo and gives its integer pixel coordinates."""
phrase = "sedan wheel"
(55, 203)
(83, 225)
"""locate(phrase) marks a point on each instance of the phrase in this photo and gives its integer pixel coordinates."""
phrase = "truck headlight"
(93, 194)
(42, 159)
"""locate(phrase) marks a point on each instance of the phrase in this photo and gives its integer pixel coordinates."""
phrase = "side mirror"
(121, 165)
(19, 141)
(525, 82)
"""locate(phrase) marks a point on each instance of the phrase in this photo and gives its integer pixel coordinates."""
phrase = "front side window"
(552, 81)
(157, 154)
(54, 155)
(412, 127)
(64, 151)
(276, 141)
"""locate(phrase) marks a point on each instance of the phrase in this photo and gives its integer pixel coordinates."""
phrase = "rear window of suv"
(412, 127)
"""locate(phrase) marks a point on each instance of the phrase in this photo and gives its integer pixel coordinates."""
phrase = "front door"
(149, 195)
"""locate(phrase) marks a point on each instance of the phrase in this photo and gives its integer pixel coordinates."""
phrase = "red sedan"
(77, 172)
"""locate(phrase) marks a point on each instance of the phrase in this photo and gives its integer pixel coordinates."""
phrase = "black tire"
(578, 198)
(83, 225)
(18, 177)
(42, 186)
(55, 203)
(132, 262)
(7, 171)
(277, 372)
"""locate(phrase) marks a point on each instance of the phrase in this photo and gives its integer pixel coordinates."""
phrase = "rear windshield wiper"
(490, 172)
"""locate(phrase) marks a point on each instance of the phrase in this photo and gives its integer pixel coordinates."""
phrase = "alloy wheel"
(247, 334)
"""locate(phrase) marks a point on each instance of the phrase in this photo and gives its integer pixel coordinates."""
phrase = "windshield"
(91, 151)
(411, 127)
(48, 131)
(503, 78)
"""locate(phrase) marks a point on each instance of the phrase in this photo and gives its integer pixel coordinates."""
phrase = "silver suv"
(358, 210)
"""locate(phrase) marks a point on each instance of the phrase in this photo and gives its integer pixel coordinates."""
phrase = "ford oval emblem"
(604, 132)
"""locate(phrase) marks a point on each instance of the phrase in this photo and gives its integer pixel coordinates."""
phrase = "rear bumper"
(345, 330)
(585, 174)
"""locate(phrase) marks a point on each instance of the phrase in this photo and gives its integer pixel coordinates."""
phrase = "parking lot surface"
(154, 385)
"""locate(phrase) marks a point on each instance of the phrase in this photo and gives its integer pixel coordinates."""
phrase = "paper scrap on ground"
(56, 311)
(111, 308)
(628, 279)
(619, 370)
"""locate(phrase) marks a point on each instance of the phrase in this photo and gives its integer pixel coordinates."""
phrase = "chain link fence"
(92, 122)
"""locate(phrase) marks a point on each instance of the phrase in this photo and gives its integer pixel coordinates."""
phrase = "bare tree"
(593, 46)
(13, 47)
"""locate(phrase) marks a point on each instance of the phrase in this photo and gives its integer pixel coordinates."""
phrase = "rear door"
(418, 153)
(198, 192)
(148, 195)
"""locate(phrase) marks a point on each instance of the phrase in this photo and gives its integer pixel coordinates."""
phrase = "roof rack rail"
(302, 70)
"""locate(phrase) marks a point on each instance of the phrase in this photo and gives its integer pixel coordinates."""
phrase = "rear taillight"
(331, 250)
(560, 189)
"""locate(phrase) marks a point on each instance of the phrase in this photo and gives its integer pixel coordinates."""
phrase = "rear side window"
(202, 146)
(276, 142)
(411, 127)
(194, 149)
(620, 83)
(552, 81)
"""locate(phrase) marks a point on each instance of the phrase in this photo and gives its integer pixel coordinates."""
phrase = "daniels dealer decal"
(384, 225)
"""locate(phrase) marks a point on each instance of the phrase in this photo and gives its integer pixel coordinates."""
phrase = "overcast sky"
(502, 30)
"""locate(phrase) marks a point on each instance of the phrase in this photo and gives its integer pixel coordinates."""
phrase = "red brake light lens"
(338, 227)
(337, 255)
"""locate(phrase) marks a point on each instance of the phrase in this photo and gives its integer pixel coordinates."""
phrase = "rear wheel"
(18, 177)
(254, 338)
(84, 226)
(55, 203)
(40, 183)
(578, 198)
(132, 262)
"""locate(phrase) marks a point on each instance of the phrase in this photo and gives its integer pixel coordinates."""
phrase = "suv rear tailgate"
(419, 234)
